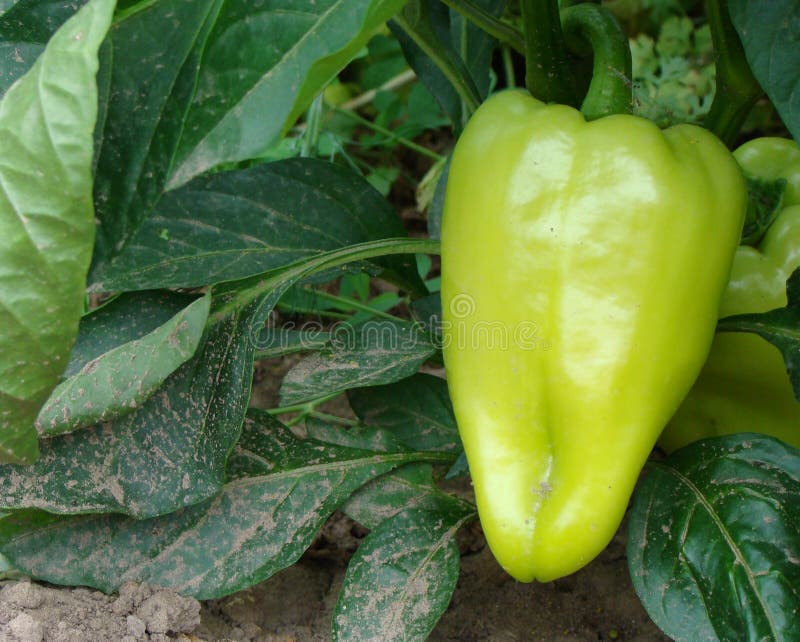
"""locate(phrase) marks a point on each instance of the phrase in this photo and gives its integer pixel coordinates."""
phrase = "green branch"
(737, 89)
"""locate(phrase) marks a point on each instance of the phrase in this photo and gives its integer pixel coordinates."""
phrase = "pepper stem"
(548, 71)
(591, 29)
(737, 89)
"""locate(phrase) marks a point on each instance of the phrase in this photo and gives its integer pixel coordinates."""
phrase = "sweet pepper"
(743, 386)
(582, 270)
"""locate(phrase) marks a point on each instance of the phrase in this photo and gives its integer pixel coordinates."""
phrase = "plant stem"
(592, 29)
(234, 295)
(311, 133)
(508, 66)
(306, 407)
(737, 89)
(548, 72)
(351, 304)
(367, 97)
(504, 32)
(390, 134)
(333, 418)
(460, 82)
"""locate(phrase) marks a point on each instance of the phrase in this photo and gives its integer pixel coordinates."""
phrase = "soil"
(597, 603)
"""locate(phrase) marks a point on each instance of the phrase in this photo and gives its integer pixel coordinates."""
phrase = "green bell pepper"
(743, 386)
(582, 270)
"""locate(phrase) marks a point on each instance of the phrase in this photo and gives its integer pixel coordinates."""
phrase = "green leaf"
(417, 410)
(713, 544)
(409, 487)
(363, 355)
(118, 381)
(171, 451)
(283, 490)
(234, 224)
(764, 203)
(771, 42)
(436, 209)
(366, 437)
(401, 578)
(209, 92)
(25, 29)
(46, 122)
(779, 327)
(128, 317)
(278, 342)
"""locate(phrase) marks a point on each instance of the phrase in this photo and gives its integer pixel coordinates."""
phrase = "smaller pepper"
(743, 386)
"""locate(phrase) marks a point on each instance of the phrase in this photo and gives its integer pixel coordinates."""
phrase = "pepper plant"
(188, 189)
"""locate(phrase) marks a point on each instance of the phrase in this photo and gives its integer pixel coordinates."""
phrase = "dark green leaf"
(118, 381)
(427, 310)
(194, 86)
(460, 467)
(234, 224)
(25, 29)
(771, 42)
(366, 437)
(764, 202)
(278, 342)
(434, 22)
(475, 45)
(283, 490)
(364, 355)
(780, 327)
(401, 578)
(408, 488)
(713, 540)
(46, 120)
(436, 208)
(417, 410)
(126, 318)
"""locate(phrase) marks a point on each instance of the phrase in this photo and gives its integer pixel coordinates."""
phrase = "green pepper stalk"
(592, 30)
(737, 89)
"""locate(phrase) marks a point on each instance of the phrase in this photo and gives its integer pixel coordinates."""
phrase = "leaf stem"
(737, 89)
(503, 32)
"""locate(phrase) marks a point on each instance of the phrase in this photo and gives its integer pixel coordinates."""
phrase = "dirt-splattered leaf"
(25, 29)
(368, 354)
(714, 540)
(233, 224)
(121, 379)
(171, 452)
(283, 490)
(405, 489)
(367, 437)
(401, 578)
(47, 220)
(417, 410)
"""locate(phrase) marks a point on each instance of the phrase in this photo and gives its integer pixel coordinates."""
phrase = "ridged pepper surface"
(743, 386)
(582, 270)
